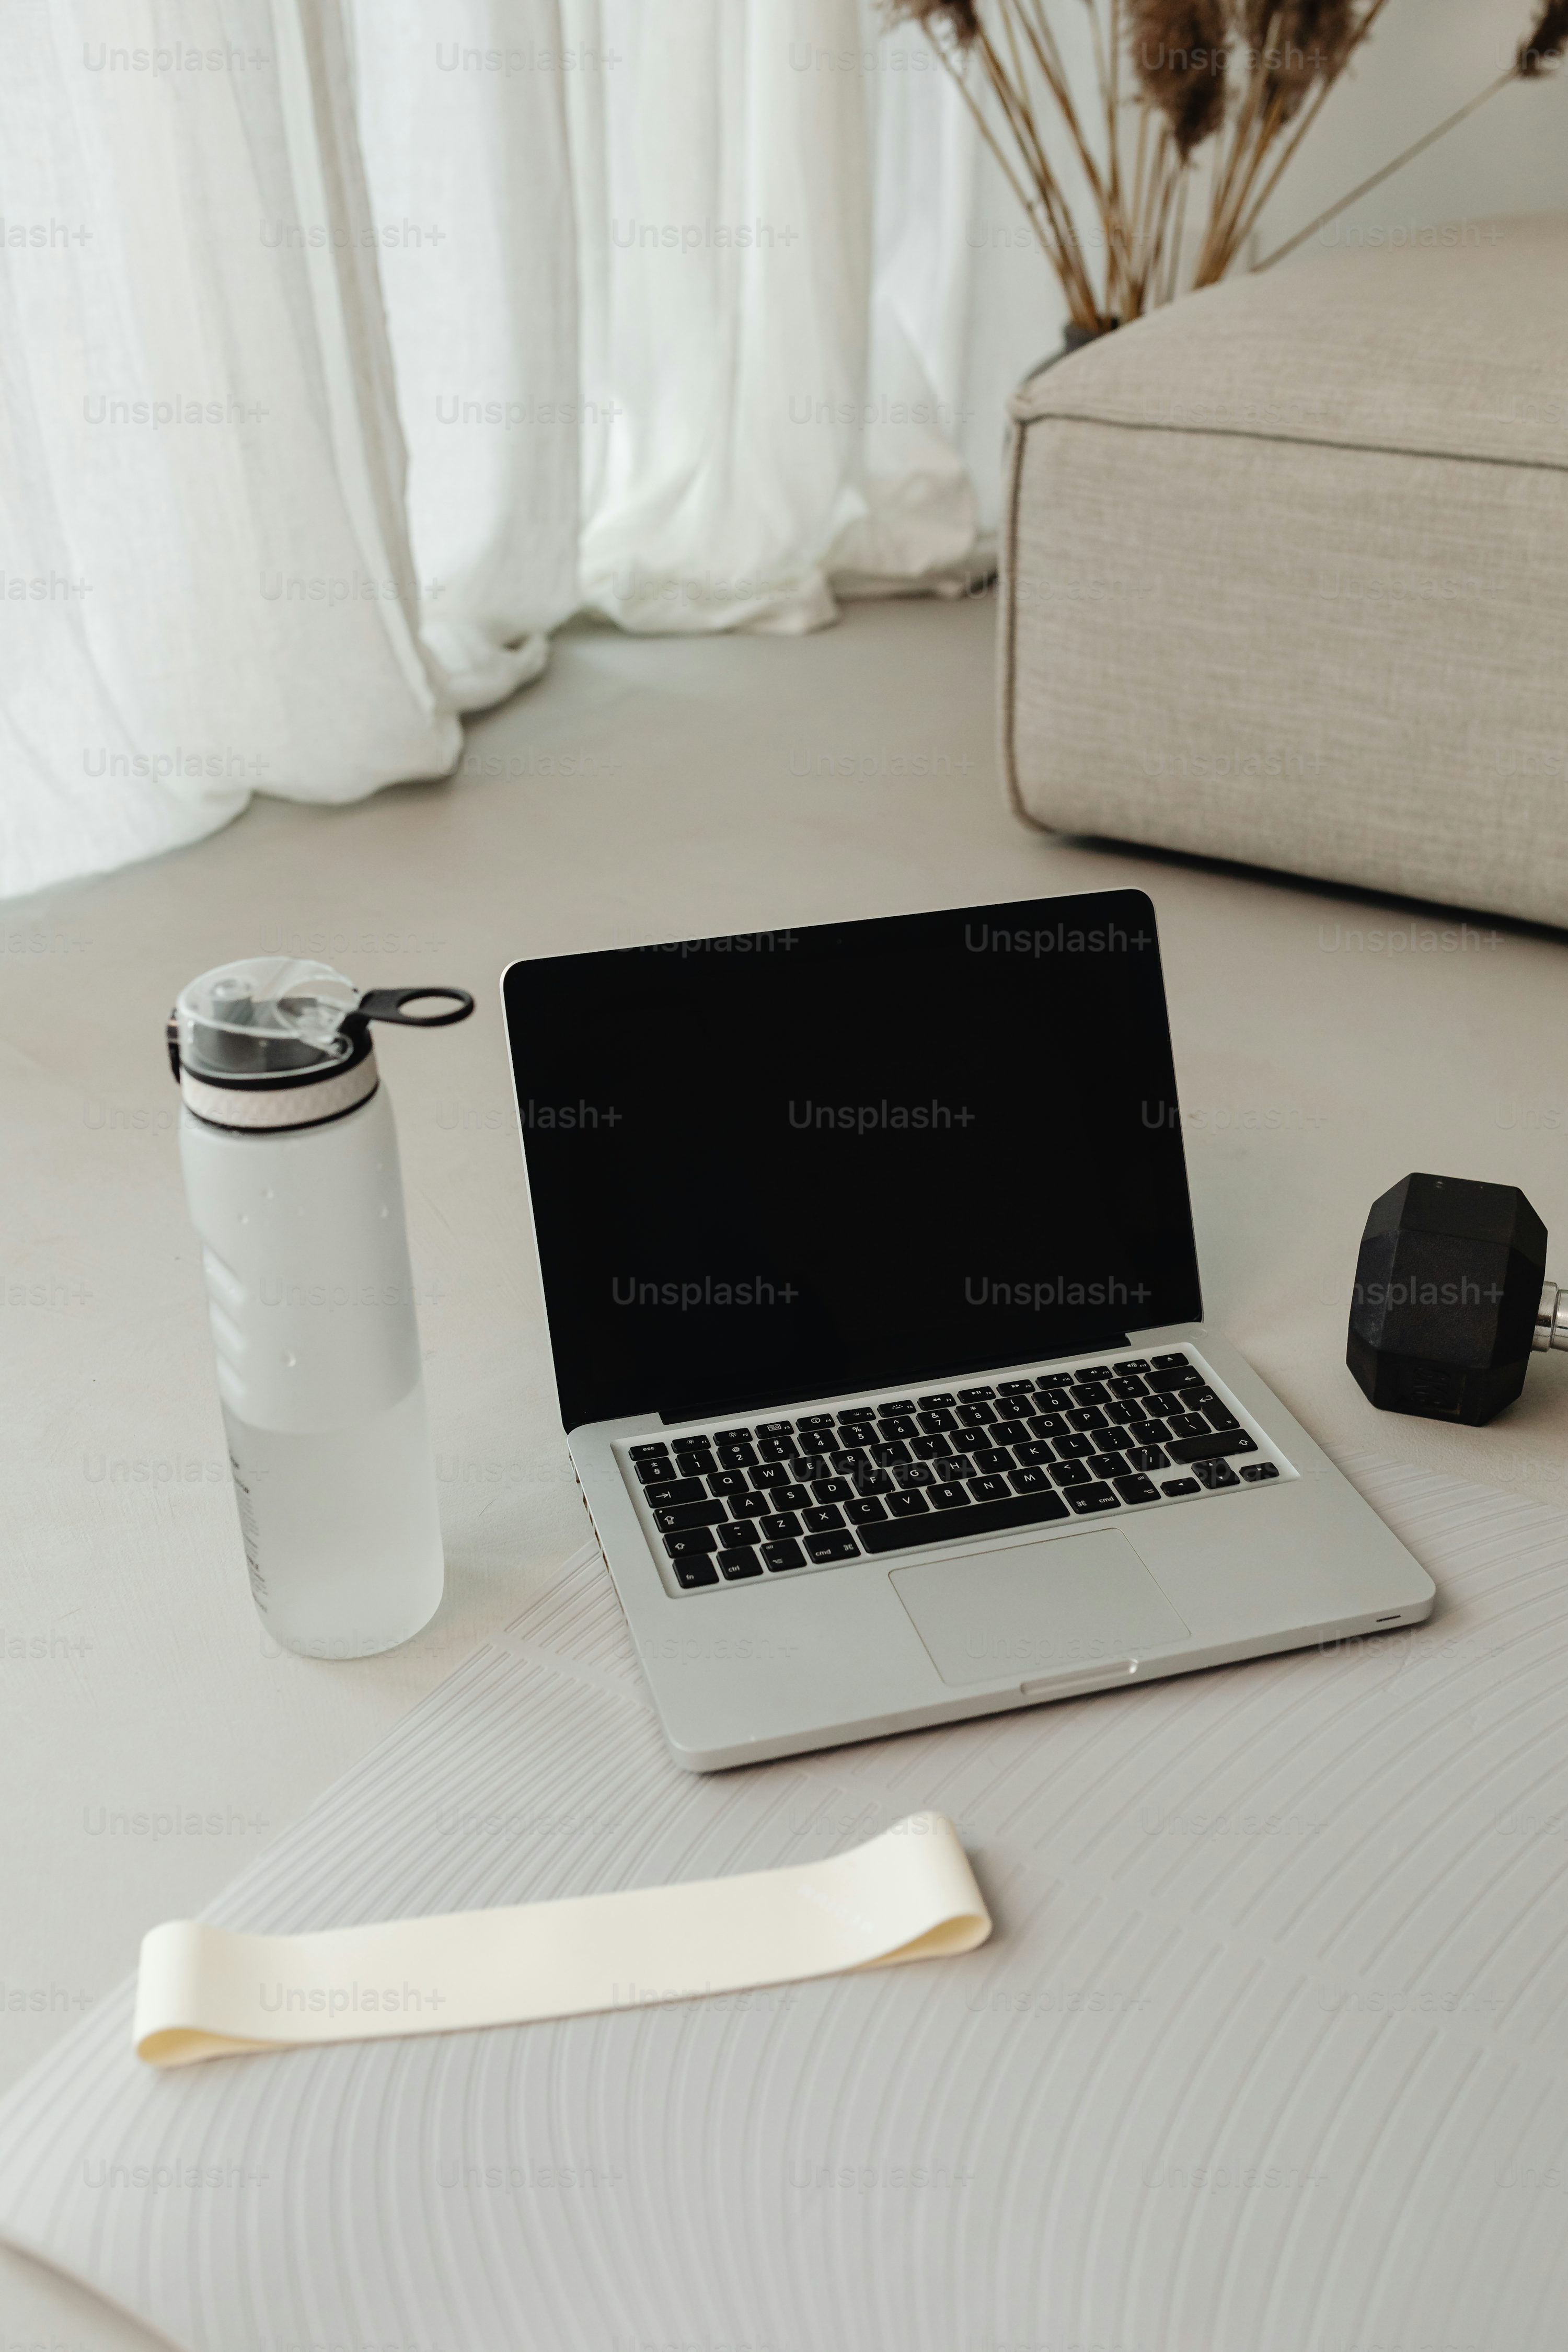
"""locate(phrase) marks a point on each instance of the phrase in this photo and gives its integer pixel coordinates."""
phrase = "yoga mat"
(1269, 2052)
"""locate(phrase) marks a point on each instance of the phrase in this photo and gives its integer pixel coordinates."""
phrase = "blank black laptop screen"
(792, 1163)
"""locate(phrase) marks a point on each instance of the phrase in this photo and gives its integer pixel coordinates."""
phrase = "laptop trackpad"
(1036, 1610)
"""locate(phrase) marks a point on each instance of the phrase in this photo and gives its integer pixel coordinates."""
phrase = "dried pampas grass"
(1180, 51)
(1104, 172)
(1547, 42)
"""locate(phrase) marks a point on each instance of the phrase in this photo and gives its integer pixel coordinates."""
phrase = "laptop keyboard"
(764, 1498)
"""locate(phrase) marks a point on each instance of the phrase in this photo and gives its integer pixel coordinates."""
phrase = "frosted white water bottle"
(291, 1171)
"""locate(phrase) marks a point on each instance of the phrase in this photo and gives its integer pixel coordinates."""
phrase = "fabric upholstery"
(1286, 574)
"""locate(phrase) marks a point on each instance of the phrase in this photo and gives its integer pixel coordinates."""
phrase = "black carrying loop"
(387, 1003)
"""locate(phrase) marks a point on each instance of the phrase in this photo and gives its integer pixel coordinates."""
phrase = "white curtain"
(348, 345)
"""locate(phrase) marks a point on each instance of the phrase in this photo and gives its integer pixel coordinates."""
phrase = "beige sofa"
(1285, 574)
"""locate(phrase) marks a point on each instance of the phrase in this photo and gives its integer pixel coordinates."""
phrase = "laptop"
(872, 1293)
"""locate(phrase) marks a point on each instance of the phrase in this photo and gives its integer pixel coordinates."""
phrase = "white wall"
(1426, 59)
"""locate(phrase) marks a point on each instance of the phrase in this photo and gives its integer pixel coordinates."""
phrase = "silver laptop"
(874, 1304)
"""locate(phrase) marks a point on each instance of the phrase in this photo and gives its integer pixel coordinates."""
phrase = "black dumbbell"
(1451, 1296)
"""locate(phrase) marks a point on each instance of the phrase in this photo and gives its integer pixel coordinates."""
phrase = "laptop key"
(853, 1412)
(908, 1505)
(1014, 1388)
(897, 1404)
(976, 1519)
(937, 1417)
(1091, 1393)
(1106, 1465)
(1051, 1398)
(1087, 1499)
(873, 1482)
(953, 1466)
(779, 1524)
(728, 1481)
(1162, 1362)
(1037, 1450)
(809, 1469)
(656, 1471)
(1186, 1424)
(1154, 1432)
(989, 1460)
(916, 1473)
(737, 1457)
(1073, 1443)
(731, 1436)
(740, 1560)
(1148, 1457)
(813, 1421)
(932, 1403)
(691, 1545)
(987, 1490)
(946, 1497)
(738, 1532)
(790, 1498)
(682, 1516)
(787, 1554)
(929, 1449)
(1218, 1442)
(690, 1573)
(650, 1452)
(670, 1491)
(1255, 1470)
(974, 1396)
(776, 1449)
(896, 1424)
(1008, 1432)
(1086, 1416)
(1138, 1490)
(1180, 1487)
(774, 1428)
(866, 1513)
(977, 1416)
(822, 1519)
(823, 1548)
(1069, 1474)
(1215, 1474)
(1028, 1482)
(1046, 1424)
(1125, 1387)
(833, 1490)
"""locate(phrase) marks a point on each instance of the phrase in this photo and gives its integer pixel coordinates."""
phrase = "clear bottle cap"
(263, 1017)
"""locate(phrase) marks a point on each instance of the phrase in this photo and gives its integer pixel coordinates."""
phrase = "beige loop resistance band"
(910, 1894)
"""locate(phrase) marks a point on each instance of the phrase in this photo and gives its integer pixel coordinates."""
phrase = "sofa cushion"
(1285, 574)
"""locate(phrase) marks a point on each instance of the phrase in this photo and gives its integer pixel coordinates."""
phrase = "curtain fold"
(348, 346)
(462, 118)
(210, 584)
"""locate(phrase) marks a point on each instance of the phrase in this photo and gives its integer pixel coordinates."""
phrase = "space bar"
(971, 1520)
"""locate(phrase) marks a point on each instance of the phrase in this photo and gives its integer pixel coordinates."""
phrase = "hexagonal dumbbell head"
(1446, 1288)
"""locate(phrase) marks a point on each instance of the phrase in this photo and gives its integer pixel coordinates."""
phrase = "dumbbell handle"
(1550, 1317)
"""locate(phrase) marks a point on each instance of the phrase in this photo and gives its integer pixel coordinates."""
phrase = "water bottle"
(291, 1172)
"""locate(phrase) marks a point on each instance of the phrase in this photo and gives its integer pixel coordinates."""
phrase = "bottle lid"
(274, 1042)
(266, 1016)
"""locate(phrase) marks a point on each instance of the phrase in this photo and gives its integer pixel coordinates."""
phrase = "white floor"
(645, 788)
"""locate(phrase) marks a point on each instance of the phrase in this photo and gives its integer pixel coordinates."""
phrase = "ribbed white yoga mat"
(1269, 2052)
